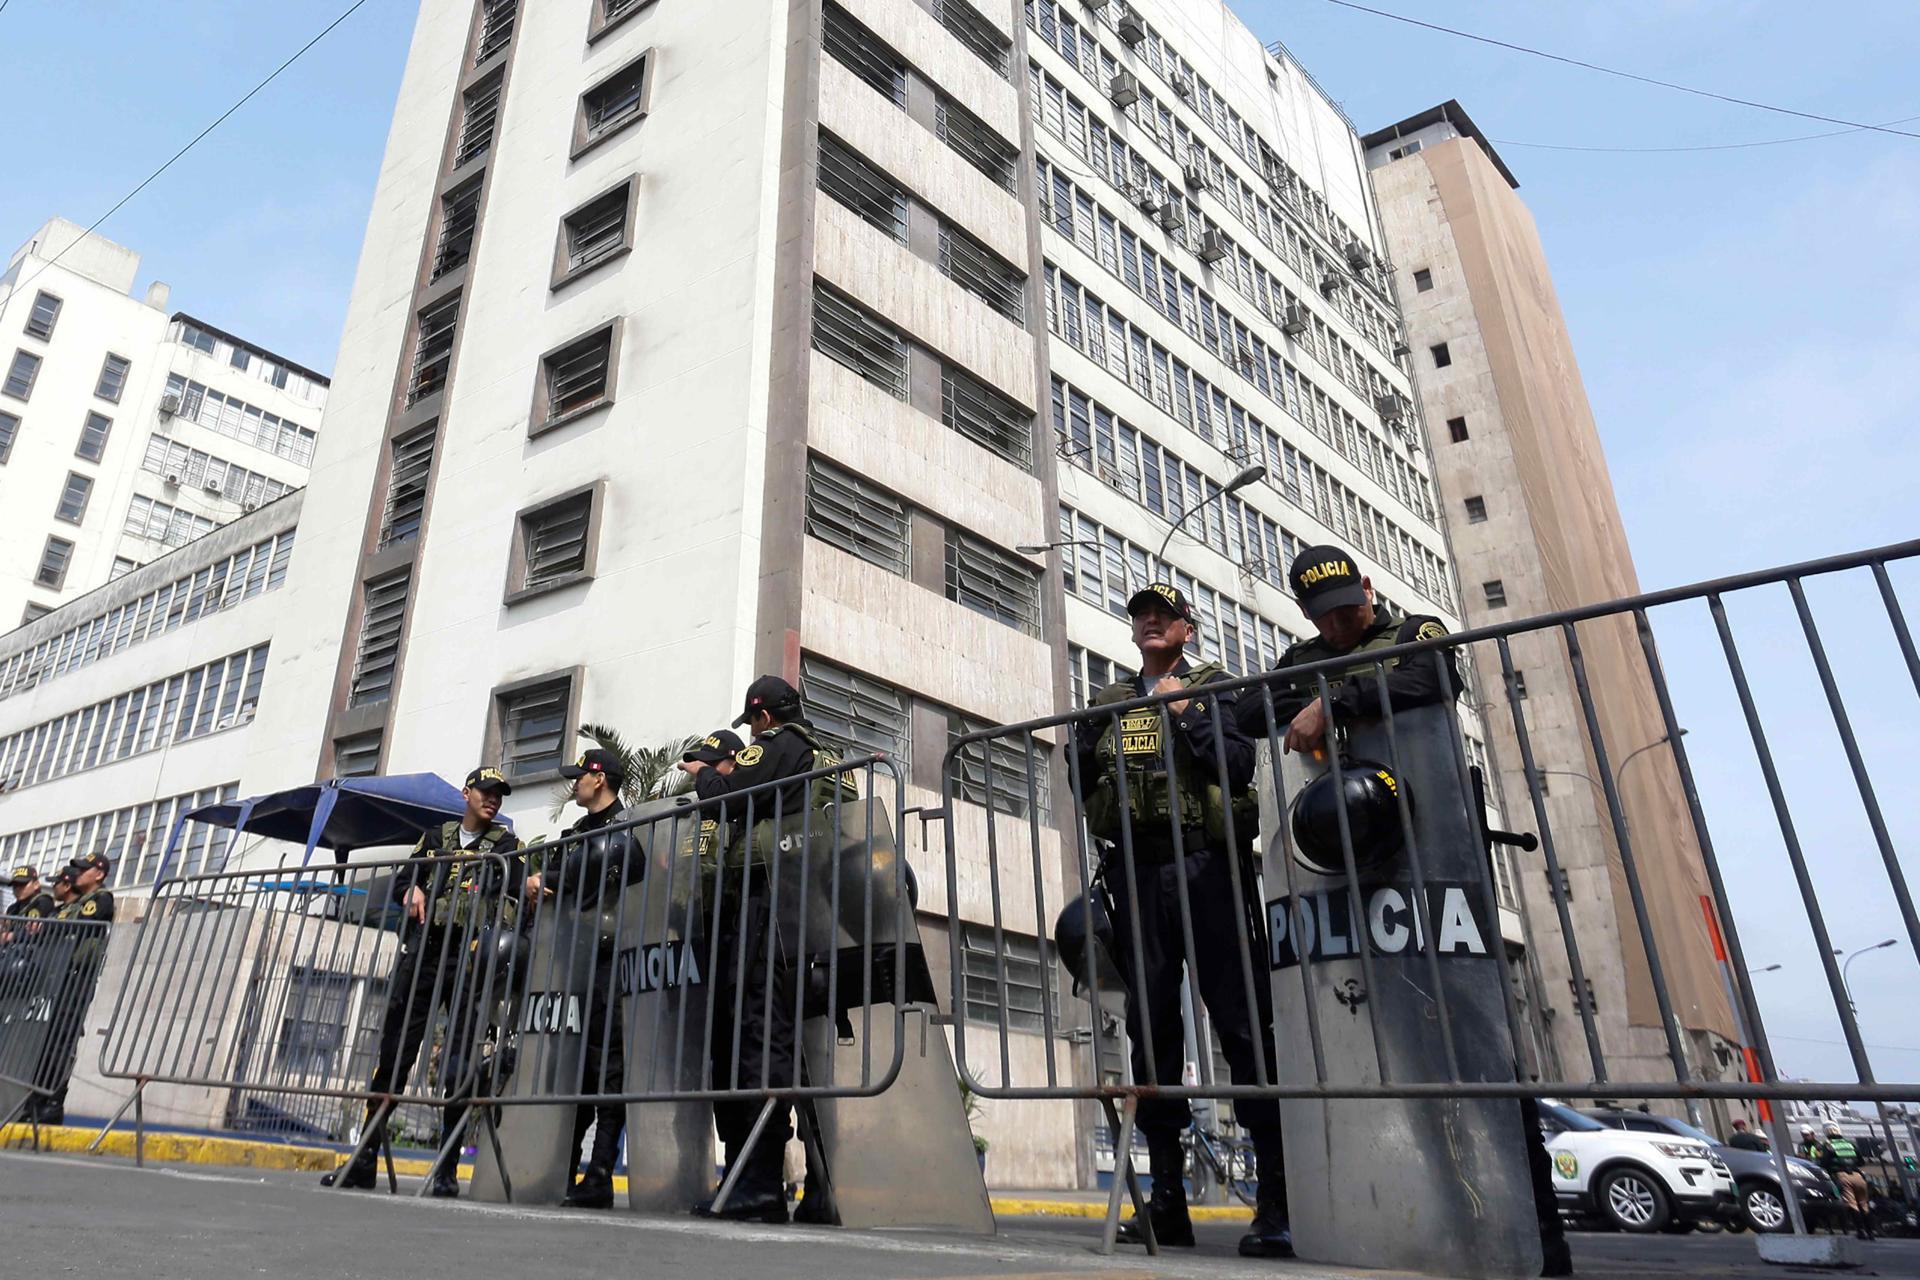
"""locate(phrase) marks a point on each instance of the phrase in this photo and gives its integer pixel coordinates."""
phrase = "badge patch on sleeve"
(1430, 631)
(750, 756)
(90, 909)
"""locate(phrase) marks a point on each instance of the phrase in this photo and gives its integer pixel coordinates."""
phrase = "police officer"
(593, 873)
(1746, 1139)
(30, 900)
(448, 908)
(1840, 1158)
(87, 875)
(63, 890)
(783, 746)
(85, 899)
(1205, 783)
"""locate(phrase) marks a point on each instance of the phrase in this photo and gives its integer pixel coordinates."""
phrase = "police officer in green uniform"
(783, 746)
(31, 901)
(1206, 782)
(89, 901)
(442, 962)
(593, 873)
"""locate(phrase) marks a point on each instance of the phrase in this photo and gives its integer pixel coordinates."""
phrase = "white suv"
(1633, 1181)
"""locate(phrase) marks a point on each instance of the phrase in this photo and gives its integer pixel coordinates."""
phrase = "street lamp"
(1041, 548)
(1241, 481)
(1619, 772)
(1886, 1127)
(1848, 962)
(1772, 968)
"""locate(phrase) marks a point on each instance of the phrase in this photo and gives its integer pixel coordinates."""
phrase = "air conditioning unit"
(169, 404)
(1213, 246)
(1401, 349)
(172, 478)
(1096, 5)
(1196, 176)
(1330, 283)
(249, 506)
(1183, 86)
(212, 487)
(1172, 218)
(1131, 29)
(1124, 89)
(1293, 321)
(1359, 257)
(1392, 407)
(1143, 199)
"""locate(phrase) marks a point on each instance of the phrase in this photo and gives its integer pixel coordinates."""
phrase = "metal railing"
(47, 973)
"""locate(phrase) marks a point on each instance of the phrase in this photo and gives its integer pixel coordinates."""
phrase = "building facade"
(127, 430)
(1524, 487)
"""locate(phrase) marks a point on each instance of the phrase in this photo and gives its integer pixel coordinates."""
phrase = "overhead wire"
(1624, 75)
(1713, 146)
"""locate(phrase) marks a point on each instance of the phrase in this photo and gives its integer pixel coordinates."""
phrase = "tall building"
(876, 342)
(127, 430)
(1524, 485)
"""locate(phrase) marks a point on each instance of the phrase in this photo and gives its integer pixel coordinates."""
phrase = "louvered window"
(986, 417)
(998, 769)
(357, 756)
(113, 378)
(533, 727)
(617, 101)
(478, 121)
(93, 437)
(555, 540)
(459, 214)
(983, 273)
(496, 28)
(990, 581)
(54, 559)
(850, 179)
(381, 626)
(973, 141)
(45, 314)
(407, 487)
(972, 29)
(575, 377)
(21, 375)
(856, 714)
(433, 350)
(844, 332)
(849, 513)
(596, 230)
(863, 53)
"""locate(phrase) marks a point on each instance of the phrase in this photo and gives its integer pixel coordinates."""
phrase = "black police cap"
(488, 778)
(715, 747)
(604, 763)
(1326, 577)
(1159, 593)
(89, 862)
(768, 693)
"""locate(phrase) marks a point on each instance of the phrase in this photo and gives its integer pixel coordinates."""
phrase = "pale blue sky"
(1746, 319)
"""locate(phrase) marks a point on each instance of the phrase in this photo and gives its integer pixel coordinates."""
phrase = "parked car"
(1640, 1182)
(1754, 1172)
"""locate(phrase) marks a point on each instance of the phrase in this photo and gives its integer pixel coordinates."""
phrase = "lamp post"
(1041, 548)
(1880, 1108)
(1241, 481)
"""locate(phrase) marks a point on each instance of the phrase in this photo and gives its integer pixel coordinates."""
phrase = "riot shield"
(47, 974)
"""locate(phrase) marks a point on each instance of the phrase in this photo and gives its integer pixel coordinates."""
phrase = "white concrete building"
(126, 430)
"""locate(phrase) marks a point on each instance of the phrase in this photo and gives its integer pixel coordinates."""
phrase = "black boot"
(358, 1176)
(816, 1206)
(1167, 1207)
(444, 1183)
(594, 1190)
(759, 1195)
(1269, 1235)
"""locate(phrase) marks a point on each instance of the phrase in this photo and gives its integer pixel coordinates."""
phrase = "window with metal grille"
(553, 539)
(1031, 996)
(849, 178)
(983, 273)
(608, 12)
(496, 28)
(9, 432)
(990, 581)
(533, 727)
(860, 51)
(21, 375)
(357, 755)
(1496, 593)
(113, 378)
(596, 231)
(974, 141)
(45, 314)
(986, 417)
(432, 350)
(846, 333)
(613, 104)
(407, 487)
(856, 714)
(998, 768)
(73, 499)
(381, 625)
(972, 29)
(93, 437)
(480, 114)
(459, 215)
(1476, 510)
(575, 377)
(849, 513)
(54, 559)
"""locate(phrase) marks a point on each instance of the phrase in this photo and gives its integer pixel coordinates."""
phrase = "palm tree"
(651, 772)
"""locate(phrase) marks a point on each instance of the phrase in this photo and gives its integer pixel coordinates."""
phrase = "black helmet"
(913, 885)
(1370, 791)
(1083, 936)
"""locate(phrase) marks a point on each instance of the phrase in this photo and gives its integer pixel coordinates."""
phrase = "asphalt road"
(68, 1216)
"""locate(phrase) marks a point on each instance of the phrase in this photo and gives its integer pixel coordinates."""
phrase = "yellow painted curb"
(1035, 1207)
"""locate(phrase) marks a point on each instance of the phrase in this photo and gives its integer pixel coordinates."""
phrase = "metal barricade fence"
(48, 969)
(1349, 932)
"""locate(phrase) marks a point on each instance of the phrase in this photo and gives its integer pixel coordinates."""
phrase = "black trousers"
(1245, 1027)
(60, 1050)
(432, 976)
(605, 1068)
(748, 950)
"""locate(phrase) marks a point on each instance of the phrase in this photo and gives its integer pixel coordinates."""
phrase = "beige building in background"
(1526, 495)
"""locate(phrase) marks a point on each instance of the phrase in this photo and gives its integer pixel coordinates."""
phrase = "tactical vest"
(1843, 1150)
(1150, 801)
(1385, 637)
(91, 948)
(823, 793)
(465, 887)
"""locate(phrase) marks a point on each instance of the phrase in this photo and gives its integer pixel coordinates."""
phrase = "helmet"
(913, 885)
(1834, 1131)
(1083, 935)
(1369, 790)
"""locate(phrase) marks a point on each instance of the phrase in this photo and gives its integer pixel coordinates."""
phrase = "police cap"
(1325, 578)
(768, 693)
(24, 874)
(604, 763)
(488, 778)
(89, 862)
(715, 747)
(1159, 593)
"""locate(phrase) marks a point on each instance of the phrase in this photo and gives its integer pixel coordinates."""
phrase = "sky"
(1746, 321)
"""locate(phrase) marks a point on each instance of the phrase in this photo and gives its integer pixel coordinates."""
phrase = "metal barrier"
(47, 973)
(1388, 918)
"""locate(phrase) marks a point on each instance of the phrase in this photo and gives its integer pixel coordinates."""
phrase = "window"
(178, 464)
(479, 115)
(1519, 686)
(1476, 510)
(113, 378)
(554, 543)
(596, 232)
(45, 314)
(21, 376)
(972, 140)
(93, 437)
(533, 721)
(972, 29)
(847, 512)
(122, 566)
(986, 417)
(242, 359)
(845, 333)
(1031, 996)
(607, 13)
(858, 715)
(357, 756)
(459, 215)
(407, 487)
(192, 335)
(848, 178)
(1441, 356)
(612, 105)
(34, 612)
(998, 768)
(990, 581)
(861, 52)
(983, 273)
(1496, 593)
(381, 625)
(9, 431)
(432, 350)
(1457, 429)
(1422, 280)
(73, 499)
(239, 420)
(54, 559)
(574, 379)
(496, 28)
